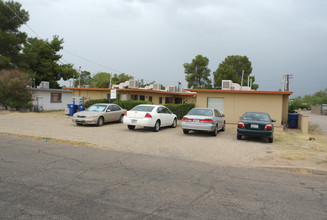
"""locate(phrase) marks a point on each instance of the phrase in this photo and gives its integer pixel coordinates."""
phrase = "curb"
(297, 169)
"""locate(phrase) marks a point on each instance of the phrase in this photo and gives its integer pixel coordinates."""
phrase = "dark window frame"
(55, 97)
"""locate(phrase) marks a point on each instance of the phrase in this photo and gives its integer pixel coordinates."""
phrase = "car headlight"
(92, 116)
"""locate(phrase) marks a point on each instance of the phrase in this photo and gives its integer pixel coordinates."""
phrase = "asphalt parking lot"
(168, 142)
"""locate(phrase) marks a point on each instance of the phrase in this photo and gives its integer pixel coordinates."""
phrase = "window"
(167, 100)
(178, 100)
(134, 97)
(150, 98)
(55, 98)
(160, 100)
(142, 97)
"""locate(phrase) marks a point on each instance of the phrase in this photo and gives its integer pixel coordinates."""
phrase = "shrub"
(180, 109)
(88, 103)
(129, 104)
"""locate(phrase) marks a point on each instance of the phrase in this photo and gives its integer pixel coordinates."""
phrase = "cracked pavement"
(45, 180)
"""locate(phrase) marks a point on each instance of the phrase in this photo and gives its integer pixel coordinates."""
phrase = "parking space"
(168, 142)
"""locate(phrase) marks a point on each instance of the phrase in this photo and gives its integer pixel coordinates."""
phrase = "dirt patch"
(289, 149)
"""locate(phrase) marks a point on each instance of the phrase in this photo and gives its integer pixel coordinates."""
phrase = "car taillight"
(207, 120)
(125, 113)
(241, 124)
(268, 127)
(187, 119)
(147, 115)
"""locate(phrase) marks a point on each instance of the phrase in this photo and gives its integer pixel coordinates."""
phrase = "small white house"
(50, 99)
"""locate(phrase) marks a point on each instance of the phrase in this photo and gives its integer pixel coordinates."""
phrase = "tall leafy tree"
(12, 16)
(231, 69)
(116, 79)
(83, 79)
(13, 89)
(42, 61)
(197, 73)
(101, 80)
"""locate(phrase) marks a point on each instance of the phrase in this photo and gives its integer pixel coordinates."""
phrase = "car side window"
(116, 108)
(111, 107)
(166, 111)
(217, 114)
(160, 110)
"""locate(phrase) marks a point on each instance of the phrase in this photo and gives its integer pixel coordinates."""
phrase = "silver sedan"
(203, 119)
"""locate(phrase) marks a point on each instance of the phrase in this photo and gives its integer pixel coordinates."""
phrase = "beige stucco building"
(154, 96)
(234, 103)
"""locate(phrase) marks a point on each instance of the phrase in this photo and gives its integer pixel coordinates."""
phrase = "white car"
(154, 116)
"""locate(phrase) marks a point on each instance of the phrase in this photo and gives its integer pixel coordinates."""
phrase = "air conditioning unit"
(156, 86)
(78, 100)
(226, 84)
(133, 84)
(171, 89)
(44, 85)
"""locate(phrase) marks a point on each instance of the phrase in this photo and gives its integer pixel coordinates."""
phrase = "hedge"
(129, 104)
(180, 109)
(88, 103)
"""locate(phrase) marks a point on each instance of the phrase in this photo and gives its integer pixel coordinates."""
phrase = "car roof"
(257, 113)
(150, 105)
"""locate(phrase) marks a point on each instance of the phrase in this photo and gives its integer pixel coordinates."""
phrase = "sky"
(152, 39)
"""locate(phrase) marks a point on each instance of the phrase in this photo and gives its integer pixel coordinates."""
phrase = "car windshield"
(97, 108)
(143, 108)
(202, 112)
(251, 116)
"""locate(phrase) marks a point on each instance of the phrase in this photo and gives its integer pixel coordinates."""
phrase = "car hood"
(87, 113)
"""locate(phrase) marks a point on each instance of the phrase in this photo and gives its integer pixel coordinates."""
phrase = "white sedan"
(154, 116)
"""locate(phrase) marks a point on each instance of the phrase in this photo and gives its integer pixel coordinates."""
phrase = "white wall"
(43, 99)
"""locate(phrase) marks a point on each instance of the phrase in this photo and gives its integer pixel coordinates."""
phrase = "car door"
(220, 119)
(116, 113)
(162, 116)
(108, 114)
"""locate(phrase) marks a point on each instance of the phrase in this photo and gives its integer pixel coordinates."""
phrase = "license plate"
(254, 126)
(134, 121)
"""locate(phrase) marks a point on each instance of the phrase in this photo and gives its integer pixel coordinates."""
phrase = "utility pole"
(286, 80)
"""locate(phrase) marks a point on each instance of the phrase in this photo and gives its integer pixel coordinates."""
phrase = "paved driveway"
(168, 142)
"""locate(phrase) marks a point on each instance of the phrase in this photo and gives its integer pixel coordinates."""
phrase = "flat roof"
(240, 91)
(51, 90)
(135, 90)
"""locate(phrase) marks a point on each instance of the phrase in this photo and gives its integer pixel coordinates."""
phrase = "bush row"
(88, 103)
(180, 109)
(129, 104)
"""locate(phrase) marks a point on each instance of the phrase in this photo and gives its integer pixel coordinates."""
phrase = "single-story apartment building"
(234, 103)
(50, 99)
(154, 96)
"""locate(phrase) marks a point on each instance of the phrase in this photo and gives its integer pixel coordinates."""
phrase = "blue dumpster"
(80, 107)
(72, 109)
(292, 120)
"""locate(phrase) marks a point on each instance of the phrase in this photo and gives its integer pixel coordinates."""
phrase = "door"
(217, 103)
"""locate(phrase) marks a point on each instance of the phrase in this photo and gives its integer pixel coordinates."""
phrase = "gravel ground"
(168, 142)
(320, 120)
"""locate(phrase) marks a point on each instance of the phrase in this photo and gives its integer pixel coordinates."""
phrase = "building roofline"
(51, 90)
(240, 91)
(135, 90)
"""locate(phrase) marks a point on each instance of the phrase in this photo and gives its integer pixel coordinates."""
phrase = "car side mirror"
(222, 115)
(273, 120)
(108, 110)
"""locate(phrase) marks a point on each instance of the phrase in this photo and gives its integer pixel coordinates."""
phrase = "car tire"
(156, 127)
(79, 124)
(185, 131)
(239, 137)
(270, 140)
(223, 128)
(214, 133)
(121, 118)
(174, 125)
(100, 121)
(131, 127)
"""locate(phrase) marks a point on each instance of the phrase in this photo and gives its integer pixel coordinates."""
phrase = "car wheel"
(239, 137)
(121, 118)
(214, 133)
(185, 131)
(79, 124)
(131, 127)
(100, 121)
(223, 128)
(174, 125)
(270, 140)
(156, 126)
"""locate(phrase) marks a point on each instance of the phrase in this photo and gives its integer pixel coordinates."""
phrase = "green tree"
(198, 73)
(13, 89)
(116, 79)
(41, 60)
(82, 79)
(101, 80)
(231, 69)
(12, 16)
